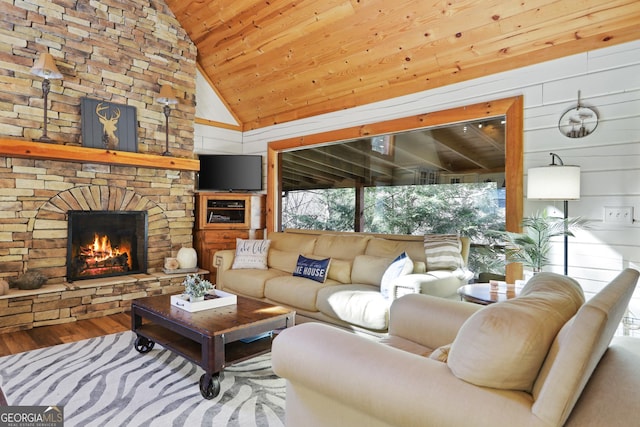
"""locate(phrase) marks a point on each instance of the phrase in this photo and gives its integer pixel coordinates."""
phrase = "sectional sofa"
(350, 296)
(542, 359)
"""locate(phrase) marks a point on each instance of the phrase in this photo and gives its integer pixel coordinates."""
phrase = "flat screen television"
(230, 172)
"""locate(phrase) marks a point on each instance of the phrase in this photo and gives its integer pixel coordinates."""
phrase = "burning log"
(121, 260)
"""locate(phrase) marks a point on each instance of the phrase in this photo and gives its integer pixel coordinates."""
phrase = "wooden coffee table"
(209, 338)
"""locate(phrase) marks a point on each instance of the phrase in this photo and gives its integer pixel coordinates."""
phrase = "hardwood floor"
(46, 336)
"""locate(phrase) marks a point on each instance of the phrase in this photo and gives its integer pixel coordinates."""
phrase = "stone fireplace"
(55, 198)
(107, 211)
(106, 243)
(121, 51)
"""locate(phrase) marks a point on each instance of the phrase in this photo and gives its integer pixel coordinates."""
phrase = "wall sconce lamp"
(556, 182)
(167, 98)
(45, 67)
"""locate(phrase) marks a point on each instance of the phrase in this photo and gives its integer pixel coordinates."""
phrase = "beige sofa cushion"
(504, 345)
(340, 246)
(292, 242)
(392, 248)
(282, 260)
(249, 282)
(340, 270)
(295, 291)
(360, 305)
(369, 269)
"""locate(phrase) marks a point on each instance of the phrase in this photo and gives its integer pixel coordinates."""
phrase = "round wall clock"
(578, 122)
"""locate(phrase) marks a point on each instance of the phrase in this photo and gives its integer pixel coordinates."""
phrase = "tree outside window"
(473, 210)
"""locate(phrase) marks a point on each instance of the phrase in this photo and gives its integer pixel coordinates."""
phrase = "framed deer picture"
(108, 125)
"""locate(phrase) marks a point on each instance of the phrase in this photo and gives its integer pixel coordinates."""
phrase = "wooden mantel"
(41, 150)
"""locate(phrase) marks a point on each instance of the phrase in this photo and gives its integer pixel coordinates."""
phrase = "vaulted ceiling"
(274, 61)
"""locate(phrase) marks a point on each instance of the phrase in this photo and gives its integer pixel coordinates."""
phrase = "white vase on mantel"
(187, 257)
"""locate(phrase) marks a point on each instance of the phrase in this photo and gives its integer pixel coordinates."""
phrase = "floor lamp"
(556, 181)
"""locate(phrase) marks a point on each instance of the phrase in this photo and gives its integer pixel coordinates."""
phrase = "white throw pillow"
(251, 254)
(400, 266)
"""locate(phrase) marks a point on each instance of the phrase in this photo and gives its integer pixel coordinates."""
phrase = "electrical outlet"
(618, 214)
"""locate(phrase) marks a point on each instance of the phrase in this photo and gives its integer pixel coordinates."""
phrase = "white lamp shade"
(554, 182)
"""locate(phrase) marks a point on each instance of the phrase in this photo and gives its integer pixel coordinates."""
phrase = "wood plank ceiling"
(274, 61)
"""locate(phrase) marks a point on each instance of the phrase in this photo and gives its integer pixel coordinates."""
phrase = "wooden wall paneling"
(593, 85)
(217, 140)
(602, 59)
(613, 182)
(214, 101)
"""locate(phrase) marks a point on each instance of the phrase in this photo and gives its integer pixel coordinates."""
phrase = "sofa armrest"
(612, 388)
(383, 383)
(222, 260)
(428, 321)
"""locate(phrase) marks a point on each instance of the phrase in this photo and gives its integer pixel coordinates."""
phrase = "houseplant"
(196, 287)
(532, 246)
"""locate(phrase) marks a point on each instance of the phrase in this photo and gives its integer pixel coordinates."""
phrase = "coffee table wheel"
(143, 345)
(209, 387)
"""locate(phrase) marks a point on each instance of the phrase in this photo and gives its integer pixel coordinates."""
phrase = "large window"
(460, 172)
(473, 210)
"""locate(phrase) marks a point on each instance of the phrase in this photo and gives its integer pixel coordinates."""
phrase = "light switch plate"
(618, 214)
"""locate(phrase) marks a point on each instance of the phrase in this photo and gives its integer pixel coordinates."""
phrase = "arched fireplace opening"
(106, 243)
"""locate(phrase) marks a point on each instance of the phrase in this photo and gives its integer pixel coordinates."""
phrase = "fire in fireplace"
(106, 243)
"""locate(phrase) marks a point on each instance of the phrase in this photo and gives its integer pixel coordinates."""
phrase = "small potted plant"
(196, 287)
(532, 246)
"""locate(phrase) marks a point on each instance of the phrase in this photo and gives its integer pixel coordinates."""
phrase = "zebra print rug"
(105, 382)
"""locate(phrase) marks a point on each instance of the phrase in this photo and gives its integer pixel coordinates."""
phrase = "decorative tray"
(180, 270)
(213, 299)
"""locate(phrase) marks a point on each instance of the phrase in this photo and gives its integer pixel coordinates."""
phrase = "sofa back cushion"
(340, 270)
(392, 248)
(282, 260)
(292, 242)
(340, 246)
(369, 269)
(285, 249)
(504, 345)
(578, 347)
